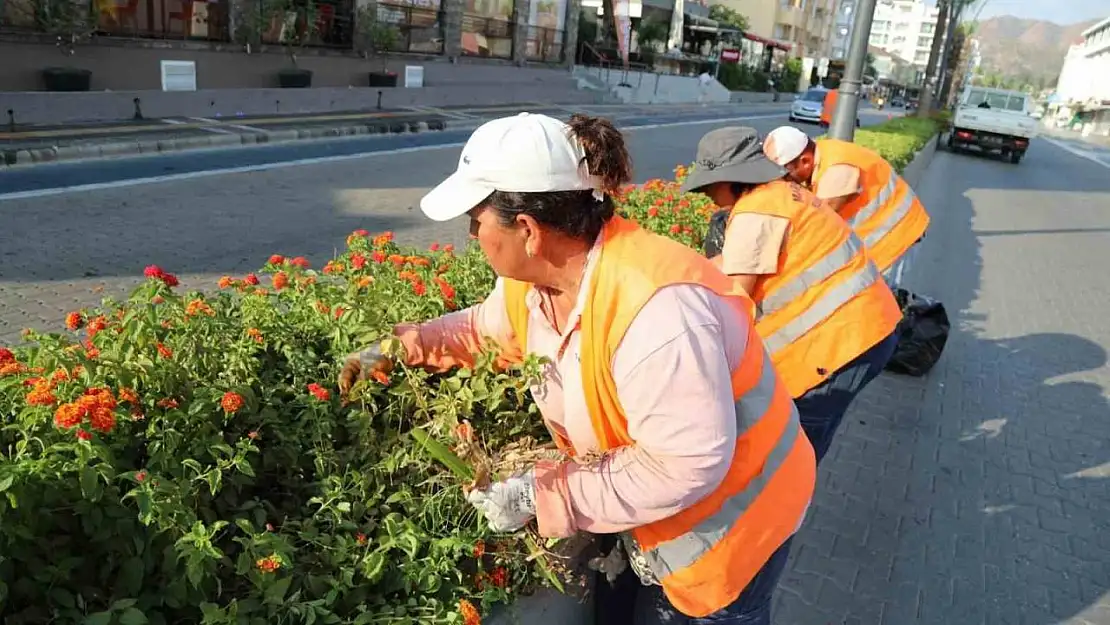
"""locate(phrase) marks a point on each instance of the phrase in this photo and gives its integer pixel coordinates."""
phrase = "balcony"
(791, 16)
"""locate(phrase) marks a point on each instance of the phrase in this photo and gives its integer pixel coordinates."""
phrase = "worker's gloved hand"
(508, 505)
(612, 565)
(362, 365)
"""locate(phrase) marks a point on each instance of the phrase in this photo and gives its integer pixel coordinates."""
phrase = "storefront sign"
(730, 55)
(623, 21)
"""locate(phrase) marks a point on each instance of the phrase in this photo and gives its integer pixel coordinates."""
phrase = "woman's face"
(506, 247)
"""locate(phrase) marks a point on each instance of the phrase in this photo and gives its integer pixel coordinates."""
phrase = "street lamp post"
(843, 125)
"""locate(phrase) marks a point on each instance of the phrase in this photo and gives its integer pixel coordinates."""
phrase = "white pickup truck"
(993, 120)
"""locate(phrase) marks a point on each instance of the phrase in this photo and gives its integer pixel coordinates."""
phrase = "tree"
(869, 68)
(648, 33)
(726, 16)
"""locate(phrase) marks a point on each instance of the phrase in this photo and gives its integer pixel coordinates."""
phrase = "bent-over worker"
(822, 309)
(705, 472)
(862, 188)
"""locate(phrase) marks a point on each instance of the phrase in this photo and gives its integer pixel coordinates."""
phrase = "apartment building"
(904, 28)
(1084, 84)
(803, 24)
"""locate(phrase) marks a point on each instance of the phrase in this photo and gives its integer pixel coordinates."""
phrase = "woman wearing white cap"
(651, 364)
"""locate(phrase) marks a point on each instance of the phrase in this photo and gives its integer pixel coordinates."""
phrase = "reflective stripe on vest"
(877, 202)
(683, 551)
(892, 219)
(833, 299)
(815, 274)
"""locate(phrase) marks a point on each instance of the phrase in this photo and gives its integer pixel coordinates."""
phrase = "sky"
(1059, 11)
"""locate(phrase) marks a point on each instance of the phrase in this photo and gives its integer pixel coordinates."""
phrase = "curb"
(34, 156)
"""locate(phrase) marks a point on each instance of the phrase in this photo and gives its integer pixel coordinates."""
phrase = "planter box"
(382, 79)
(295, 78)
(66, 79)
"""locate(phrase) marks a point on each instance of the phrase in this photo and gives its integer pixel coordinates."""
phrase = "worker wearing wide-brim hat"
(822, 308)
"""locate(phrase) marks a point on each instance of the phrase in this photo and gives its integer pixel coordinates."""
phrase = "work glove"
(361, 365)
(611, 566)
(508, 505)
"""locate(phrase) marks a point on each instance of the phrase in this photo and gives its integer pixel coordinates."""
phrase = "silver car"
(807, 106)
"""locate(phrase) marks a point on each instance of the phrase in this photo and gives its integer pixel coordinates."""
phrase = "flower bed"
(185, 458)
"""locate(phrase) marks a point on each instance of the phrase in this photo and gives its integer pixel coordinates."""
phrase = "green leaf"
(373, 566)
(6, 482)
(90, 485)
(443, 454)
(275, 593)
(129, 581)
(132, 616)
(123, 604)
(99, 618)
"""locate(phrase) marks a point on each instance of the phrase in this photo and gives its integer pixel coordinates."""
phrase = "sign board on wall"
(414, 76)
(730, 55)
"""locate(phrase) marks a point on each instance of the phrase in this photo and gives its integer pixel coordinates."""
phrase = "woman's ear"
(531, 235)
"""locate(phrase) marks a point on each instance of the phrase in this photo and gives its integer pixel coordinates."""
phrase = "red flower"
(102, 419)
(653, 212)
(380, 377)
(319, 392)
(277, 259)
(499, 577)
(469, 613)
(333, 267)
(675, 229)
(280, 280)
(479, 549)
(164, 351)
(226, 282)
(300, 261)
(231, 402)
(361, 233)
(445, 288)
(360, 538)
(68, 415)
(419, 288)
(6, 356)
(83, 435)
(449, 249)
(255, 334)
(75, 320)
(251, 279)
(378, 256)
(358, 261)
(269, 564)
(167, 403)
(153, 271)
(128, 395)
(382, 239)
(42, 394)
(140, 476)
(96, 324)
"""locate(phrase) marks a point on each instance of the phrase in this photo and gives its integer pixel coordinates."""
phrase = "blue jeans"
(822, 408)
(628, 602)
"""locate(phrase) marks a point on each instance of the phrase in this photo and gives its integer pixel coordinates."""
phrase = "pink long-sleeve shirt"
(672, 372)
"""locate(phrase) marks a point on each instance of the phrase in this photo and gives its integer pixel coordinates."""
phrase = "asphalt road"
(107, 171)
(976, 495)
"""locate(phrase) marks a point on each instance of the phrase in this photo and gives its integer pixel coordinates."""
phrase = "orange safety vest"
(827, 304)
(705, 555)
(829, 106)
(886, 214)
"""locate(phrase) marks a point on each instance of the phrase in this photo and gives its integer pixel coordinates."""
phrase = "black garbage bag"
(922, 334)
(715, 236)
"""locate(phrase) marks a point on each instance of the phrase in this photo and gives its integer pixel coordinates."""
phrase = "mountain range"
(1031, 51)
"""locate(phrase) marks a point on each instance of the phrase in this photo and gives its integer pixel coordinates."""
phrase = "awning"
(773, 43)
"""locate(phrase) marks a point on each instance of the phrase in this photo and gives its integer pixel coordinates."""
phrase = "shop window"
(546, 30)
(419, 24)
(487, 28)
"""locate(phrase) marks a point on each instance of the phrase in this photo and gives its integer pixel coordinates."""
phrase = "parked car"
(993, 120)
(807, 106)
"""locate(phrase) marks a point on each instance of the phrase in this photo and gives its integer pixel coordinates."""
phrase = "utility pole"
(954, 10)
(843, 125)
(926, 102)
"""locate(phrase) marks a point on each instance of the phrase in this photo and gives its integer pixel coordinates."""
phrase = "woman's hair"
(576, 214)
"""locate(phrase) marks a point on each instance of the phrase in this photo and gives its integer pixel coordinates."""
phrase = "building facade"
(235, 42)
(1083, 90)
(905, 28)
(803, 25)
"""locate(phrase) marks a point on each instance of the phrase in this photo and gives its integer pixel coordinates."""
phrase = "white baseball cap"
(525, 153)
(784, 144)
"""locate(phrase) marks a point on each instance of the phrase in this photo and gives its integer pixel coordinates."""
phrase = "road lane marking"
(133, 182)
(1091, 156)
